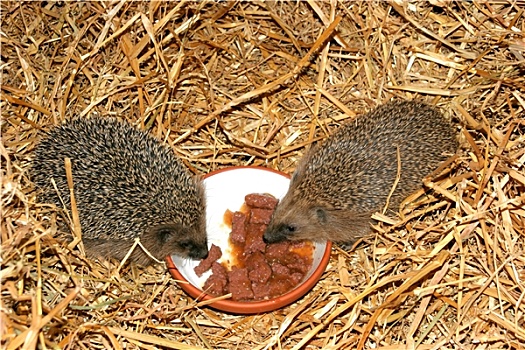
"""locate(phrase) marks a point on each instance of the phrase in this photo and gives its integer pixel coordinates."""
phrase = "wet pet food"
(258, 271)
(214, 254)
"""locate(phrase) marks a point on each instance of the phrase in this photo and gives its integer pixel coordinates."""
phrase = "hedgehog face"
(293, 219)
(297, 223)
(169, 239)
(298, 219)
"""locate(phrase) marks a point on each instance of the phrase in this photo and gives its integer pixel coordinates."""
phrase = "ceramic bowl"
(225, 189)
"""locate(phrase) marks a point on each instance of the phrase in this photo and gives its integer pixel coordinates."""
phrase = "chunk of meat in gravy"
(260, 216)
(238, 234)
(300, 264)
(219, 270)
(279, 269)
(296, 277)
(258, 269)
(257, 200)
(216, 284)
(279, 287)
(261, 291)
(287, 253)
(277, 251)
(240, 285)
(254, 239)
(214, 254)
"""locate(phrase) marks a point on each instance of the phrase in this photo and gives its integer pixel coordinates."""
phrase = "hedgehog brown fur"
(127, 185)
(338, 186)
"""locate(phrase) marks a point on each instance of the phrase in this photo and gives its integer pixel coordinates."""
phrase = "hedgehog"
(127, 185)
(338, 185)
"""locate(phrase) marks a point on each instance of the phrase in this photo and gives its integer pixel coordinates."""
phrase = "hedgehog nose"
(199, 252)
(271, 237)
(266, 239)
(279, 232)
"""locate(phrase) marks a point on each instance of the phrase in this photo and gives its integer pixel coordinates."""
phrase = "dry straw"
(255, 83)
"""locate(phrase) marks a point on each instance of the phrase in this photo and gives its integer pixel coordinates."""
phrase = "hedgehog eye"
(289, 229)
(185, 245)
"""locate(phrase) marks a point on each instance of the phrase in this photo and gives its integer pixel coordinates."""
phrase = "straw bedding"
(255, 83)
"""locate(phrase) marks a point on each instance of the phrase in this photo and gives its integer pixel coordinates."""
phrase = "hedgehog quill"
(127, 185)
(338, 185)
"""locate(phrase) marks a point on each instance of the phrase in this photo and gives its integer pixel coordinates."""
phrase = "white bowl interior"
(226, 190)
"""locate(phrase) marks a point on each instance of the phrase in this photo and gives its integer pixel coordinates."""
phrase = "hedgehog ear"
(320, 213)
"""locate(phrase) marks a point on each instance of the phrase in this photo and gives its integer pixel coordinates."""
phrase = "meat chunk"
(238, 234)
(279, 287)
(219, 270)
(260, 216)
(299, 264)
(214, 254)
(296, 278)
(279, 269)
(254, 239)
(258, 269)
(261, 291)
(216, 284)
(240, 285)
(278, 251)
(265, 201)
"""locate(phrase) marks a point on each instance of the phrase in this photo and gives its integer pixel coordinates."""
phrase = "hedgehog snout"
(188, 245)
(277, 233)
(283, 222)
(198, 251)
